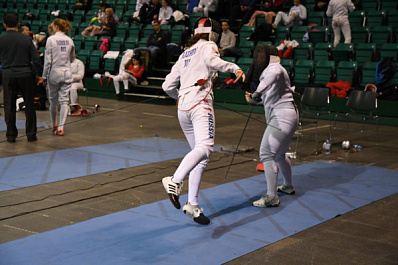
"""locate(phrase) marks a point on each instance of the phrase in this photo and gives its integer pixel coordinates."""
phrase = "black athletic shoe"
(194, 211)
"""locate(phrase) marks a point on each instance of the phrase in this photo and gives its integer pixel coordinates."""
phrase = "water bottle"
(327, 146)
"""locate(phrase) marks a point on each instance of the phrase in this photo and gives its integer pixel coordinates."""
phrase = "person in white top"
(206, 6)
(78, 69)
(297, 14)
(274, 92)
(60, 51)
(338, 9)
(165, 12)
(190, 82)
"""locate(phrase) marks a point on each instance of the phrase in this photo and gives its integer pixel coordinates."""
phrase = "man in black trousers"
(22, 69)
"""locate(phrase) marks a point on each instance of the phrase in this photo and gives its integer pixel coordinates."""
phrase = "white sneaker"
(173, 190)
(144, 83)
(195, 212)
(267, 201)
(286, 189)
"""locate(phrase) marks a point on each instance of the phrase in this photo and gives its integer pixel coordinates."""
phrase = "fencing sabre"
(237, 146)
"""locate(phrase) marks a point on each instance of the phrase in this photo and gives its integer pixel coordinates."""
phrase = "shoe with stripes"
(173, 190)
(267, 201)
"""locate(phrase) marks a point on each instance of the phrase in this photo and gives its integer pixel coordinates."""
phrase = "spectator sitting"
(297, 14)
(245, 9)
(107, 28)
(77, 69)
(25, 30)
(227, 42)
(134, 74)
(149, 12)
(165, 12)
(156, 43)
(100, 14)
(268, 17)
(206, 6)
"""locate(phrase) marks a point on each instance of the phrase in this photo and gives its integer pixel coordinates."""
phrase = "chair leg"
(362, 130)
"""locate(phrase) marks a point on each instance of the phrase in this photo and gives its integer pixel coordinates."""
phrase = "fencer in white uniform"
(274, 92)
(77, 69)
(190, 82)
(338, 10)
(60, 51)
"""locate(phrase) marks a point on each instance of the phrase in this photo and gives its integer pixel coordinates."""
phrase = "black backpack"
(385, 70)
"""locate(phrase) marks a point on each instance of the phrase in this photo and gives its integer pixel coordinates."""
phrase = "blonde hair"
(23, 28)
(62, 24)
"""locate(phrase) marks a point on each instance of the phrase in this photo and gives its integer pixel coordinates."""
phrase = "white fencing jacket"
(340, 8)
(201, 61)
(77, 68)
(60, 51)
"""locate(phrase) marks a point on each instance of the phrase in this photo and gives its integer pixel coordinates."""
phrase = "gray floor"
(368, 235)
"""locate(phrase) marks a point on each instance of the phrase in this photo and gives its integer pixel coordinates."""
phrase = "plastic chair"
(347, 71)
(244, 63)
(246, 47)
(303, 71)
(317, 18)
(392, 16)
(322, 51)
(357, 18)
(365, 52)
(324, 72)
(389, 50)
(288, 65)
(342, 52)
(381, 35)
(304, 52)
(297, 33)
(314, 102)
(368, 73)
(360, 34)
(321, 35)
(361, 105)
(375, 18)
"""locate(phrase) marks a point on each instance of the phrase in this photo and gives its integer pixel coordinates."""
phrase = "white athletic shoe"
(267, 201)
(195, 212)
(286, 189)
(173, 190)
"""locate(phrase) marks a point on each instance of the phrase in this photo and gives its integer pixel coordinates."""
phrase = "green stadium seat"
(392, 18)
(131, 43)
(134, 30)
(360, 34)
(90, 43)
(116, 43)
(83, 55)
(246, 47)
(376, 18)
(347, 71)
(324, 72)
(41, 4)
(343, 52)
(317, 18)
(381, 35)
(388, 5)
(304, 52)
(389, 50)
(320, 34)
(52, 5)
(110, 65)
(357, 18)
(368, 73)
(281, 33)
(244, 63)
(322, 51)
(245, 32)
(303, 71)
(122, 30)
(96, 58)
(297, 33)
(288, 65)
(79, 41)
(365, 52)
(370, 5)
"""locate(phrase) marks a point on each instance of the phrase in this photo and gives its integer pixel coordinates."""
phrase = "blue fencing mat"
(71, 163)
(20, 123)
(157, 233)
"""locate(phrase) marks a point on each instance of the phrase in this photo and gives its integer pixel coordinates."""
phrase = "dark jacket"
(18, 56)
